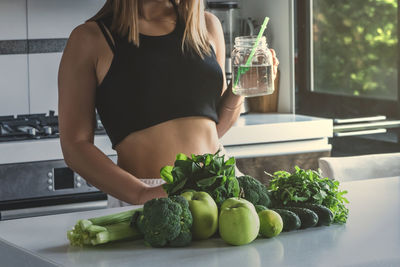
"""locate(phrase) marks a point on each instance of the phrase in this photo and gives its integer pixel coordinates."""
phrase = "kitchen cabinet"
(369, 238)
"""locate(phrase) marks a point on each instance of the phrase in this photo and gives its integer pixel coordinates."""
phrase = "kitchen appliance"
(34, 179)
(365, 135)
(228, 13)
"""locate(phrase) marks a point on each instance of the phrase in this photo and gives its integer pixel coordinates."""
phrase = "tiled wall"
(33, 34)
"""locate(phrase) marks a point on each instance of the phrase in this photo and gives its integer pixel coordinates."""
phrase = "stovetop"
(34, 126)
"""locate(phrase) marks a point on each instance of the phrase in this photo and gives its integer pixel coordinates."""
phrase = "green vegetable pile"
(301, 199)
(208, 173)
(308, 186)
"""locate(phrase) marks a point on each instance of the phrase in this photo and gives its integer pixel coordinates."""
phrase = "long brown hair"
(126, 13)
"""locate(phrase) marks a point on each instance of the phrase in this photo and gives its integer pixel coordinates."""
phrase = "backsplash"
(31, 46)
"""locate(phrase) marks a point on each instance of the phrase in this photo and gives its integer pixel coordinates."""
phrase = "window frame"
(328, 105)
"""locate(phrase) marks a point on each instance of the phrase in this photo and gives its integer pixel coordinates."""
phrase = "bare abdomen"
(144, 152)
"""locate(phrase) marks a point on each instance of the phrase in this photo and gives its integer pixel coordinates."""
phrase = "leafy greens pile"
(308, 186)
(208, 172)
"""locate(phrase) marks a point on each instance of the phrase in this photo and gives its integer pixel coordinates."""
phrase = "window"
(347, 58)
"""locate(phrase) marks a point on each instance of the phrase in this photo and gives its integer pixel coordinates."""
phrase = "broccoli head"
(186, 215)
(166, 221)
(254, 191)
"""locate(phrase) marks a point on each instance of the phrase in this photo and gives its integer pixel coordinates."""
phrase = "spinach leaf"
(208, 172)
(178, 186)
(207, 181)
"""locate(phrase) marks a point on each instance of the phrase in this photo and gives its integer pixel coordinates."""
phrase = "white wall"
(28, 82)
(48, 19)
(13, 68)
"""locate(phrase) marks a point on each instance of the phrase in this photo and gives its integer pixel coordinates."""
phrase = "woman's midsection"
(144, 152)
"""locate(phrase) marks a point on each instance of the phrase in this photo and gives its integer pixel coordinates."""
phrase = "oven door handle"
(49, 210)
(365, 132)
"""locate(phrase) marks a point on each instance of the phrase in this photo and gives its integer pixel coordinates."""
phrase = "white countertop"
(249, 129)
(371, 237)
(274, 127)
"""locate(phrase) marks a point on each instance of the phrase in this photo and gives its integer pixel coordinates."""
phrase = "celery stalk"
(104, 229)
(84, 224)
(95, 229)
(114, 218)
(119, 231)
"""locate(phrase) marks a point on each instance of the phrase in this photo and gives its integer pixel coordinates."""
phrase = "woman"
(154, 70)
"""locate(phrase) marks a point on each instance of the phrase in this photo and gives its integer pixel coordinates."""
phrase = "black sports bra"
(155, 82)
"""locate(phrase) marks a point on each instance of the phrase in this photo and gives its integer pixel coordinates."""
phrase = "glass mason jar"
(253, 78)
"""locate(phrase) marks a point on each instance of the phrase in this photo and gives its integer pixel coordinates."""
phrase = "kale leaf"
(308, 186)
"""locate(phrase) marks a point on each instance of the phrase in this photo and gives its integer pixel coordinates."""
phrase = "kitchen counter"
(274, 134)
(274, 127)
(371, 237)
(252, 135)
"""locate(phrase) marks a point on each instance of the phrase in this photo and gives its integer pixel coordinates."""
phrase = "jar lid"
(223, 4)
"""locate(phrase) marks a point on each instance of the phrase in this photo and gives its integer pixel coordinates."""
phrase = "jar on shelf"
(254, 77)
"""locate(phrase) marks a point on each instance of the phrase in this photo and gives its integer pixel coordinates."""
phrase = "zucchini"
(325, 215)
(290, 220)
(307, 217)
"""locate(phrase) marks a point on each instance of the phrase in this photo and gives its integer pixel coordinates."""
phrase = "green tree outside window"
(355, 47)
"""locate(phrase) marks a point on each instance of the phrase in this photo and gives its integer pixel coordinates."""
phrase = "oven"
(365, 135)
(34, 178)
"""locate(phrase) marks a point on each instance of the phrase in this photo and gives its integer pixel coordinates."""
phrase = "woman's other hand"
(275, 62)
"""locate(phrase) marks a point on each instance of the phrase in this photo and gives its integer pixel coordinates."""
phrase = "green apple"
(204, 212)
(238, 221)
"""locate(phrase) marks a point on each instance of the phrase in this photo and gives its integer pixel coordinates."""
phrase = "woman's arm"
(230, 104)
(228, 110)
(76, 113)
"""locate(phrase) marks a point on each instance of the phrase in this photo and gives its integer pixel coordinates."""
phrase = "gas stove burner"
(34, 126)
(29, 130)
(48, 130)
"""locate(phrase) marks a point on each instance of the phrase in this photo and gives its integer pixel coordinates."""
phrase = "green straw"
(243, 70)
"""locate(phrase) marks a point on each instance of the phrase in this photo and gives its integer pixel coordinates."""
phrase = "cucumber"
(273, 202)
(290, 220)
(325, 215)
(307, 217)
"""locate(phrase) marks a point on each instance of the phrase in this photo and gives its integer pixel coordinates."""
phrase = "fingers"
(275, 63)
(274, 58)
